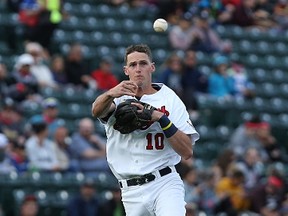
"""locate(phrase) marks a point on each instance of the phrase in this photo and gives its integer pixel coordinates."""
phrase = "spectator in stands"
(11, 119)
(208, 198)
(191, 209)
(50, 110)
(191, 185)
(223, 162)
(266, 199)
(232, 194)
(205, 38)
(77, 70)
(252, 167)
(113, 206)
(221, 11)
(104, 77)
(263, 14)
(171, 73)
(270, 144)
(28, 16)
(232, 2)
(193, 83)
(18, 157)
(50, 115)
(86, 203)
(49, 17)
(172, 10)
(40, 19)
(246, 15)
(221, 85)
(256, 133)
(29, 206)
(243, 14)
(24, 85)
(245, 136)
(58, 70)
(280, 13)
(5, 164)
(5, 80)
(181, 34)
(39, 69)
(244, 88)
(63, 141)
(284, 206)
(88, 148)
(45, 159)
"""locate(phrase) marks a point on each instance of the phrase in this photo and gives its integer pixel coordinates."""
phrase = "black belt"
(146, 178)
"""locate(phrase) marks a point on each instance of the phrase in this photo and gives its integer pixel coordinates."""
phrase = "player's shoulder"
(161, 87)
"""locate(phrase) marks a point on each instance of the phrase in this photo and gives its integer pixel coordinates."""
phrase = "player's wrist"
(167, 126)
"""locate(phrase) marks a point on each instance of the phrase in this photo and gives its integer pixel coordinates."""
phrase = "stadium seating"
(107, 30)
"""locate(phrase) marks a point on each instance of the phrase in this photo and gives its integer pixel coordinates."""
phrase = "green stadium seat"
(85, 9)
(260, 104)
(160, 55)
(252, 61)
(31, 108)
(223, 132)
(98, 38)
(259, 75)
(279, 48)
(71, 24)
(279, 76)
(207, 133)
(103, 10)
(245, 46)
(129, 25)
(254, 34)
(266, 90)
(283, 88)
(283, 119)
(232, 32)
(262, 47)
(91, 23)
(111, 24)
(278, 105)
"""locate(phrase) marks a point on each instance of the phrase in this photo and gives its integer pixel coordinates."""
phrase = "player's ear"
(153, 66)
(125, 70)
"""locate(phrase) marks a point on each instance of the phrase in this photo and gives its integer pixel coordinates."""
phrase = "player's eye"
(133, 64)
(142, 63)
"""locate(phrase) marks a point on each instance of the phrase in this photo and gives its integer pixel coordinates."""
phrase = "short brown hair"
(143, 48)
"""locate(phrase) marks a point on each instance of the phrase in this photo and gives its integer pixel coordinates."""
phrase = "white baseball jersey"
(147, 150)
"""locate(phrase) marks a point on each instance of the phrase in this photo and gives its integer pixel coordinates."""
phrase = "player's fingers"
(130, 85)
(140, 106)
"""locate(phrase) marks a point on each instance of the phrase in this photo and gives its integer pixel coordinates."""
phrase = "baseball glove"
(129, 119)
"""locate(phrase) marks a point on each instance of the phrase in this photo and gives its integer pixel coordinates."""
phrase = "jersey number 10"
(158, 140)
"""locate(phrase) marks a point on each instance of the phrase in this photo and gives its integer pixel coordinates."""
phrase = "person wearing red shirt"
(104, 76)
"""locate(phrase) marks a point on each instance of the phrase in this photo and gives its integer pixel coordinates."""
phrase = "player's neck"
(141, 91)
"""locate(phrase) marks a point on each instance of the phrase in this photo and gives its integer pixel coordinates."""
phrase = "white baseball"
(160, 25)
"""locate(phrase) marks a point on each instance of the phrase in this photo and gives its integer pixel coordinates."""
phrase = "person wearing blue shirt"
(220, 84)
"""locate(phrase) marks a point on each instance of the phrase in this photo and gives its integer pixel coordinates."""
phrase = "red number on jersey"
(158, 140)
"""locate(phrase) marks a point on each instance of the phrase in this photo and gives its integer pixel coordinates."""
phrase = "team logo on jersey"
(163, 110)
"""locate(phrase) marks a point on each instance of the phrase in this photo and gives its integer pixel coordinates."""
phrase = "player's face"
(139, 68)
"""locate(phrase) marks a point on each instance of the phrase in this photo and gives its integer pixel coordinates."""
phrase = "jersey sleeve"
(180, 118)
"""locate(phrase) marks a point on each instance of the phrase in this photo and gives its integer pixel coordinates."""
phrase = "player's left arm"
(180, 142)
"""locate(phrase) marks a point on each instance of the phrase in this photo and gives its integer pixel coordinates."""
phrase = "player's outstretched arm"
(103, 104)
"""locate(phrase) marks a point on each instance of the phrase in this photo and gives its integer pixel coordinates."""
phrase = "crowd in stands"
(246, 177)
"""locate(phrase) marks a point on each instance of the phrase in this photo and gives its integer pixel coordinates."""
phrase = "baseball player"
(144, 160)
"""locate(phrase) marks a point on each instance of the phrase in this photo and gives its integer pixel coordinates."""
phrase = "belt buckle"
(145, 179)
(140, 181)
